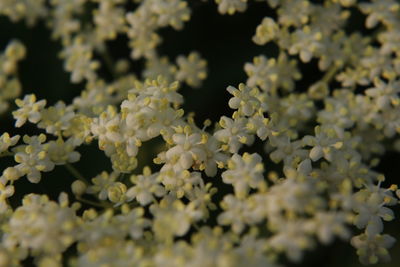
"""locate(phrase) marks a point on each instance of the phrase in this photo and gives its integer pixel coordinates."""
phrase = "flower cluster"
(205, 198)
(9, 82)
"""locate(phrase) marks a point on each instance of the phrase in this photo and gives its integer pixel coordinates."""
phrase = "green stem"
(6, 154)
(196, 226)
(330, 73)
(123, 177)
(79, 176)
(109, 63)
(76, 173)
(99, 205)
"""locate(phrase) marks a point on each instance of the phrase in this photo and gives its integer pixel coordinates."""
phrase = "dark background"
(225, 42)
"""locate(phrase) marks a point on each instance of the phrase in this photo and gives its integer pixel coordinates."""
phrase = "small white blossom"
(145, 187)
(30, 10)
(33, 158)
(6, 141)
(109, 19)
(295, 13)
(326, 140)
(191, 69)
(372, 248)
(292, 239)
(231, 6)
(237, 213)
(271, 74)
(233, 134)
(328, 224)
(61, 152)
(370, 208)
(79, 61)
(44, 226)
(268, 30)
(171, 12)
(245, 99)
(101, 184)
(306, 43)
(244, 172)
(380, 11)
(29, 110)
(173, 218)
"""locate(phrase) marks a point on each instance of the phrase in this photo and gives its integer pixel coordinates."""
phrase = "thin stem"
(123, 177)
(6, 154)
(99, 205)
(196, 226)
(76, 173)
(330, 73)
(79, 176)
(109, 63)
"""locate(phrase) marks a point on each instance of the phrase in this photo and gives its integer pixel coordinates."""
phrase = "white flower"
(326, 141)
(293, 197)
(233, 134)
(173, 218)
(287, 150)
(180, 183)
(370, 208)
(271, 74)
(244, 172)
(6, 141)
(61, 152)
(141, 32)
(14, 52)
(316, 184)
(56, 118)
(384, 11)
(328, 224)
(191, 69)
(79, 61)
(231, 6)
(384, 94)
(109, 19)
(6, 191)
(267, 31)
(29, 110)
(238, 213)
(33, 158)
(30, 10)
(106, 128)
(245, 99)
(133, 222)
(291, 238)
(145, 187)
(116, 253)
(156, 66)
(372, 248)
(214, 157)
(189, 149)
(295, 13)
(42, 225)
(307, 43)
(101, 184)
(252, 251)
(171, 12)
(262, 126)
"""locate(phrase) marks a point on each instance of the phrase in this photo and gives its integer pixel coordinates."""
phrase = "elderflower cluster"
(292, 166)
(9, 82)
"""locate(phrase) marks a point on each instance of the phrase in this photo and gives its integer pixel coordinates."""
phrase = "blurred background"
(225, 42)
